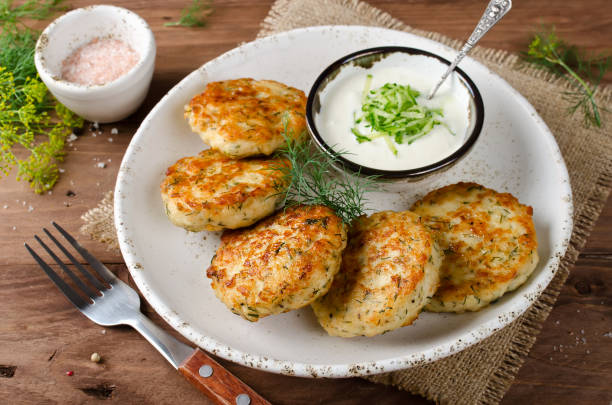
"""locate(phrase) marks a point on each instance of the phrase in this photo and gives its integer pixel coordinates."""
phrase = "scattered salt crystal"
(96, 125)
(588, 352)
(555, 348)
(23, 203)
(114, 131)
(30, 208)
(50, 192)
(94, 134)
(5, 206)
(62, 170)
(109, 160)
(103, 331)
(72, 137)
(582, 331)
(557, 322)
(72, 182)
(110, 139)
(99, 132)
(97, 184)
(577, 310)
(101, 165)
(14, 228)
(608, 334)
(551, 359)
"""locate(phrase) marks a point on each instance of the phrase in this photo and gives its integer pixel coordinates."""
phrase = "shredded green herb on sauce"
(391, 112)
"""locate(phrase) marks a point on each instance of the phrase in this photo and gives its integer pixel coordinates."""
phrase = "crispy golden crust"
(212, 191)
(282, 263)
(389, 271)
(489, 242)
(246, 117)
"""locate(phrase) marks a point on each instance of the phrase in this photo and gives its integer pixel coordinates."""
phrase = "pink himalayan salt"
(98, 62)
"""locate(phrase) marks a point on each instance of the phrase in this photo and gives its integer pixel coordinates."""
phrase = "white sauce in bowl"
(341, 102)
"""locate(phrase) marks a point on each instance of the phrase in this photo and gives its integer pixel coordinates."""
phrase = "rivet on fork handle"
(220, 386)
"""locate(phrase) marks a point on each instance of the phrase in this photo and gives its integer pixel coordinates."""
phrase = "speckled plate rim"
(521, 301)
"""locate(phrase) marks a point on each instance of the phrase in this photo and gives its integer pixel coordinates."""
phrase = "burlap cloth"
(483, 372)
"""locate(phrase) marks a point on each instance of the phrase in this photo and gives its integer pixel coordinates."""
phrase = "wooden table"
(42, 336)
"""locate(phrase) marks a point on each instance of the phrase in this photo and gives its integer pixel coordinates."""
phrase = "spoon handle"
(494, 12)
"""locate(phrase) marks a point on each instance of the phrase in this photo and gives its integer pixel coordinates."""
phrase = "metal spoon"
(493, 13)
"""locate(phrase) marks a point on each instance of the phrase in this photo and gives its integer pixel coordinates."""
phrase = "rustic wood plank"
(43, 336)
(571, 358)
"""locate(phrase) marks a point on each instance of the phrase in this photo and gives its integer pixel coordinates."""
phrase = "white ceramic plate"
(516, 153)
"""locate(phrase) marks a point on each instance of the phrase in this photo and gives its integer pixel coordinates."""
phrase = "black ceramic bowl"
(366, 58)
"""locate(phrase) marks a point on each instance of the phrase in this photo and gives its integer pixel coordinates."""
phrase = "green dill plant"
(33, 125)
(194, 15)
(547, 51)
(310, 178)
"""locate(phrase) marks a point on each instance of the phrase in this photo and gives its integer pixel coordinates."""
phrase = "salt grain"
(101, 165)
(72, 138)
(14, 228)
(114, 131)
(608, 334)
(110, 139)
(62, 170)
(30, 208)
(100, 61)
(5, 206)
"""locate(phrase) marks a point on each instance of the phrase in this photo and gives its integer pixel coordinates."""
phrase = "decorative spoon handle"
(494, 12)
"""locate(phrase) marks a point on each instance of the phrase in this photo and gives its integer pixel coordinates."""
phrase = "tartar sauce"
(341, 102)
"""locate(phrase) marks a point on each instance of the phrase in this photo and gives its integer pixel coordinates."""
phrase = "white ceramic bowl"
(516, 153)
(111, 101)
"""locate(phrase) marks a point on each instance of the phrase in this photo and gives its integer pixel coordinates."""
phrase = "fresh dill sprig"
(549, 52)
(310, 178)
(29, 9)
(194, 15)
(33, 125)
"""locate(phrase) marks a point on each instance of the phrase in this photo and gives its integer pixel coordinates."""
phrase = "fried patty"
(389, 272)
(246, 117)
(213, 192)
(489, 242)
(284, 262)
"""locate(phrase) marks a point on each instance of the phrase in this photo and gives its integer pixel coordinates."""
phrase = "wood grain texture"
(221, 386)
(42, 336)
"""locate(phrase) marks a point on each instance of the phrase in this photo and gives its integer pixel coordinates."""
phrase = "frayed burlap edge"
(99, 223)
(522, 332)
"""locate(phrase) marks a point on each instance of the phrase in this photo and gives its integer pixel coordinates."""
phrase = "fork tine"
(74, 261)
(95, 264)
(72, 296)
(74, 278)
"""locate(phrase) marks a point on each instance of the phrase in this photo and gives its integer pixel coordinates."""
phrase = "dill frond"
(310, 178)
(548, 51)
(194, 15)
(33, 125)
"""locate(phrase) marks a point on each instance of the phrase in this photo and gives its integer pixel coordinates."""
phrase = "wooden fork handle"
(216, 382)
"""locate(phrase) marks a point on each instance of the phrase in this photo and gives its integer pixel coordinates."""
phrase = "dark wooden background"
(42, 336)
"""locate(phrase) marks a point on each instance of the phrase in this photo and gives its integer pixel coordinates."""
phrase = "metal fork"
(108, 301)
